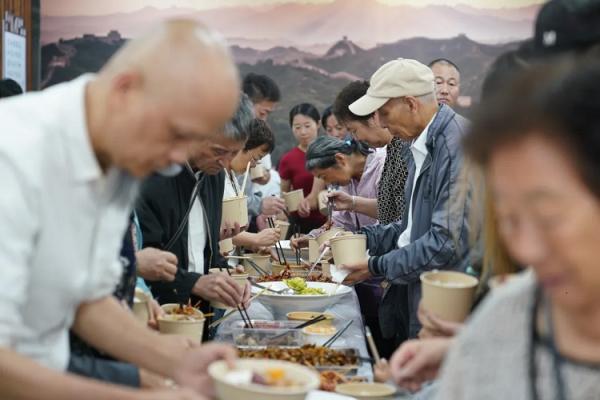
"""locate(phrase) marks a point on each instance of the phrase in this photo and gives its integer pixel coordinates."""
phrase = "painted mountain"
(310, 50)
(302, 25)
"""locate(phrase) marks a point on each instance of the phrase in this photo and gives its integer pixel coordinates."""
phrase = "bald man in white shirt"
(70, 160)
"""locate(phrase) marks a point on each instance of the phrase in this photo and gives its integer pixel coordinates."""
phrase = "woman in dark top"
(304, 120)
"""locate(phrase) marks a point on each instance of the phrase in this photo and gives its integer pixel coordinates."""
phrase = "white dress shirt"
(196, 237)
(419, 152)
(61, 221)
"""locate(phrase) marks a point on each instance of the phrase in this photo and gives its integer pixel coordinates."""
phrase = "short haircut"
(348, 95)
(9, 87)
(443, 61)
(259, 134)
(306, 109)
(237, 128)
(260, 88)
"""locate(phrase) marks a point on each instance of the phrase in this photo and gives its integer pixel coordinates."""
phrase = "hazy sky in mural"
(96, 7)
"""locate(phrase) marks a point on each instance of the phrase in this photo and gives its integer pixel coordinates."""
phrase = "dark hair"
(306, 109)
(328, 112)
(260, 88)
(443, 61)
(349, 94)
(9, 87)
(555, 101)
(259, 134)
(504, 67)
(321, 153)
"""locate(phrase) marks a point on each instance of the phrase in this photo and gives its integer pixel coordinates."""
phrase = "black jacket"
(161, 207)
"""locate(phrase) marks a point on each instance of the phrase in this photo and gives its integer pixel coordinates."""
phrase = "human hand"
(267, 237)
(358, 272)
(299, 242)
(272, 205)
(219, 287)
(418, 361)
(156, 265)
(154, 311)
(381, 371)
(229, 230)
(434, 326)
(342, 201)
(192, 371)
(304, 207)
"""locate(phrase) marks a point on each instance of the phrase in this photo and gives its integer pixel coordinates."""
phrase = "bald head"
(177, 85)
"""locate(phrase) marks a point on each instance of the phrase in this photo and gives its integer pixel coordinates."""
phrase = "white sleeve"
(18, 226)
(266, 162)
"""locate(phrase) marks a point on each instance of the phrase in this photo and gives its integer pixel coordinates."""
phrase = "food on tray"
(287, 274)
(299, 286)
(309, 355)
(184, 313)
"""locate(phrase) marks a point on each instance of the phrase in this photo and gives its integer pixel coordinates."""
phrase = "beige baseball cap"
(397, 78)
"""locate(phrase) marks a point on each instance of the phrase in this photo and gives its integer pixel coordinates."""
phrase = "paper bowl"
(313, 250)
(306, 378)
(192, 329)
(349, 249)
(226, 246)
(328, 234)
(448, 294)
(140, 307)
(308, 315)
(280, 305)
(284, 227)
(257, 172)
(235, 209)
(293, 199)
(240, 279)
(262, 260)
(296, 270)
(323, 202)
(318, 334)
(364, 390)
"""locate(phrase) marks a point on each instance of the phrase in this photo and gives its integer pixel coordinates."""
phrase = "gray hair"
(237, 128)
(321, 152)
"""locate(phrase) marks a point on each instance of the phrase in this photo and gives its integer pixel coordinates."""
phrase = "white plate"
(280, 305)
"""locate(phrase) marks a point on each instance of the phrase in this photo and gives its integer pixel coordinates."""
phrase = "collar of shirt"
(420, 143)
(84, 164)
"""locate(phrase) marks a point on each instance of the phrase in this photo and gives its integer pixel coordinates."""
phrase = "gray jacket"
(439, 235)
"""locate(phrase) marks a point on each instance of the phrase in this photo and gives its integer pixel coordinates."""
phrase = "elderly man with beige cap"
(433, 232)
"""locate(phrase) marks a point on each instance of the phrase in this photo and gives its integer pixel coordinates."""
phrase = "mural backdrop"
(310, 48)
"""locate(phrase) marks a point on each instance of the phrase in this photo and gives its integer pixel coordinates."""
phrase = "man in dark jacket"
(182, 214)
(433, 232)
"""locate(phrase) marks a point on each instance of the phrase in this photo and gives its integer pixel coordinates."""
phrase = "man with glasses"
(182, 214)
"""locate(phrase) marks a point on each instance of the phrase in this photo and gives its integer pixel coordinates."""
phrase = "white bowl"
(308, 380)
(318, 338)
(279, 305)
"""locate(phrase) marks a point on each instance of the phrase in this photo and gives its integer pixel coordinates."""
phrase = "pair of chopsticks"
(230, 313)
(335, 337)
(234, 183)
(278, 247)
(241, 308)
